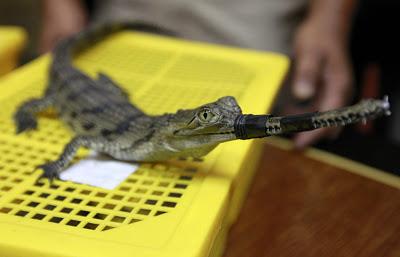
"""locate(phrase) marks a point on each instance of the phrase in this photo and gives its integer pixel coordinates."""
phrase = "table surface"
(300, 206)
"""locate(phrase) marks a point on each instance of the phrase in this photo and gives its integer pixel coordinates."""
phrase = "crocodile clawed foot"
(25, 121)
(50, 171)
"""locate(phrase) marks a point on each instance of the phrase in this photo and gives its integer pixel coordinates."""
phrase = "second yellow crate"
(12, 41)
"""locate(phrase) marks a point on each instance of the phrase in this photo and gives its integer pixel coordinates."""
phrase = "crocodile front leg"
(52, 170)
(25, 117)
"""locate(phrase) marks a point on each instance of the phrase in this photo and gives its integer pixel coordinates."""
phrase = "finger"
(337, 88)
(336, 91)
(306, 73)
(305, 139)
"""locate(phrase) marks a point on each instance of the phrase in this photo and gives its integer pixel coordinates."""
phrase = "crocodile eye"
(205, 115)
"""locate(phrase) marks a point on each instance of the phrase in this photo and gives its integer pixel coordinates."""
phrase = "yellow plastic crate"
(12, 41)
(176, 208)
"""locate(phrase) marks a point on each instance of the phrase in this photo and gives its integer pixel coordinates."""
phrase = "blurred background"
(375, 52)
(373, 48)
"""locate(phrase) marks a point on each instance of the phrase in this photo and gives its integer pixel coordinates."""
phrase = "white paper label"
(99, 171)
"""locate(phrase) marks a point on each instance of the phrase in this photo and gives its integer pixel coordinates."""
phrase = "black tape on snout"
(250, 126)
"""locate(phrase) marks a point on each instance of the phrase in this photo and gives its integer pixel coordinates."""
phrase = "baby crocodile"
(104, 120)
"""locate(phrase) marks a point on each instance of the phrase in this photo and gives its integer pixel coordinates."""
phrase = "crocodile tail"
(67, 48)
(256, 126)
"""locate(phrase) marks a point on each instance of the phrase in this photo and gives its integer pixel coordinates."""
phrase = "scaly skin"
(103, 119)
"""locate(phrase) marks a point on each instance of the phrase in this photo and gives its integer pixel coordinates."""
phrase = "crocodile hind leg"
(25, 117)
(52, 170)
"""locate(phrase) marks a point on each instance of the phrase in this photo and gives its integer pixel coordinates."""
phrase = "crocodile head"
(197, 131)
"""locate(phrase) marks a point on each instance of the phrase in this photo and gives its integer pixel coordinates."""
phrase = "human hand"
(61, 19)
(322, 73)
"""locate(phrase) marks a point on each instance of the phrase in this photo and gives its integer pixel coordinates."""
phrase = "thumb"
(306, 73)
